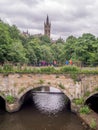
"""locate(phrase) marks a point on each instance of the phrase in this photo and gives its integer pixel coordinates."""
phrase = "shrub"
(85, 110)
(47, 70)
(93, 124)
(67, 69)
(79, 101)
(10, 99)
(8, 68)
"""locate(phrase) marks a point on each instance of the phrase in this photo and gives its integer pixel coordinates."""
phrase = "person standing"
(70, 62)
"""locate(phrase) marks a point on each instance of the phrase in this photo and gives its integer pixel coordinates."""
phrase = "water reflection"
(49, 103)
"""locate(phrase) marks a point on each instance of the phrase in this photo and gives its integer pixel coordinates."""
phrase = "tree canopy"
(17, 48)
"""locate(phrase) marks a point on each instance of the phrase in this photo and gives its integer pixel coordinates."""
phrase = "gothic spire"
(47, 27)
(47, 20)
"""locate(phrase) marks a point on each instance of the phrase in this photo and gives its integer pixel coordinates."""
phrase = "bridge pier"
(13, 107)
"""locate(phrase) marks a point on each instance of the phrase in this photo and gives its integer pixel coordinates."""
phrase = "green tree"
(17, 53)
(46, 53)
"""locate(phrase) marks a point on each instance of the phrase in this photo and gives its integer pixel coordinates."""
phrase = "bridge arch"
(27, 91)
(92, 101)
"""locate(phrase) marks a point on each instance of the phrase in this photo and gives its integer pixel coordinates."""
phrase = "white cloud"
(67, 16)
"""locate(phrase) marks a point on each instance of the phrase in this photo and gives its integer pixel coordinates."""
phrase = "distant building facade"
(27, 34)
(47, 30)
(47, 27)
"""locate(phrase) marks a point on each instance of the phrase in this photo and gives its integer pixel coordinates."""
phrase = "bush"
(67, 69)
(47, 70)
(93, 124)
(85, 110)
(8, 68)
(79, 101)
(10, 99)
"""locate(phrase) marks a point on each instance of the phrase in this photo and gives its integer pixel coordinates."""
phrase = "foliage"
(93, 124)
(41, 81)
(61, 86)
(7, 67)
(32, 50)
(10, 99)
(48, 70)
(87, 94)
(79, 101)
(74, 73)
(67, 69)
(85, 110)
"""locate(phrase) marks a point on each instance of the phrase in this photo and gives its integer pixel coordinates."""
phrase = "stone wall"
(17, 85)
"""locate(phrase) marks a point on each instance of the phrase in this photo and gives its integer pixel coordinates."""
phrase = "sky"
(68, 17)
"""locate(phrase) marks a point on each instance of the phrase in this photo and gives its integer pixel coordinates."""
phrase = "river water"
(44, 112)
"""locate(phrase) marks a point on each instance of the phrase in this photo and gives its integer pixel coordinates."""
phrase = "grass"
(69, 69)
(74, 70)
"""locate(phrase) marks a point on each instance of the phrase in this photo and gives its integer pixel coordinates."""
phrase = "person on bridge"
(67, 62)
(70, 62)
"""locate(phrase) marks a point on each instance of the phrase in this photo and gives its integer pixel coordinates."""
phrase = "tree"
(17, 53)
(45, 39)
(70, 46)
(85, 47)
(46, 53)
(14, 32)
(30, 53)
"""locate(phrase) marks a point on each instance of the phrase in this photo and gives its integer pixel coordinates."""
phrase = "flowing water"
(44, 112)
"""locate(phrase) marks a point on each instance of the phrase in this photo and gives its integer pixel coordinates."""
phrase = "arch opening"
(44, 98)
(2, 104)
(92, 102)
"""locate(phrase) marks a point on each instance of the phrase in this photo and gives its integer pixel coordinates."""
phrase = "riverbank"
(89, 120)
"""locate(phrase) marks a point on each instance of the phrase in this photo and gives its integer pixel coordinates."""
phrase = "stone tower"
(47, 27)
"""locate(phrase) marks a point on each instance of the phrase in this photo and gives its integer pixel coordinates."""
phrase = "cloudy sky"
(68, 17)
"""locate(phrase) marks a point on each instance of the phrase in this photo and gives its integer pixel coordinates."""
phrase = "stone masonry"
(17, 85)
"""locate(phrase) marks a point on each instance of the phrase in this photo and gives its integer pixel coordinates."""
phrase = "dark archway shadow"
(2, 105)
(92, 102)
(27, 99)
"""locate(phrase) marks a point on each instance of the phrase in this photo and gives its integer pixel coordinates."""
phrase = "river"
(43, 111)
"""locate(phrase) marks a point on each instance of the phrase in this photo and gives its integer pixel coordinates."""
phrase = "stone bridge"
(73, 86)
